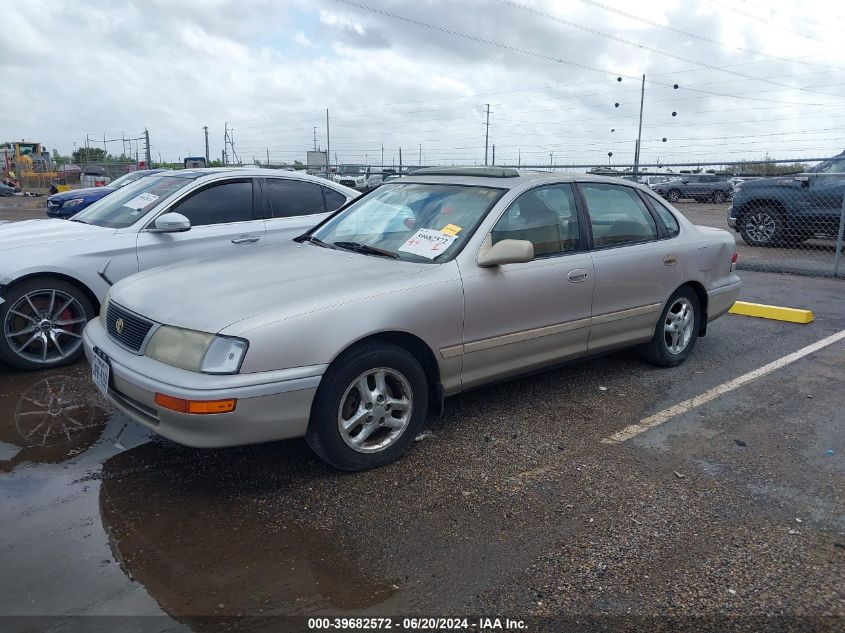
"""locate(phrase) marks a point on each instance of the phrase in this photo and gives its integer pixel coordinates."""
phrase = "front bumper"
(271, 405)
(731, 218)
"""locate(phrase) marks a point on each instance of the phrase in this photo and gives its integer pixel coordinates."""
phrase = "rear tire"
(41, 323)
(718, 197)
(676, 332)
(369, 407)
(673, 196)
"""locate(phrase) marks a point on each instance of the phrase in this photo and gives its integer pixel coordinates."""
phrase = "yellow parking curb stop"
(792, 315)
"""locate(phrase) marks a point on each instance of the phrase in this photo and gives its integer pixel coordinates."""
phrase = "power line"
(622, 40)
(703, 38)
(536, 54)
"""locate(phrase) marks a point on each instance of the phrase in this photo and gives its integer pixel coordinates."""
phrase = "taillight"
(733, 261)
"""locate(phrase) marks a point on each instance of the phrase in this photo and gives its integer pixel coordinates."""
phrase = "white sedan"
(55, 273)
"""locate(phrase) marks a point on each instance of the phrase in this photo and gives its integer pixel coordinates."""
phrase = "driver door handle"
(577, 276)
(246, 240)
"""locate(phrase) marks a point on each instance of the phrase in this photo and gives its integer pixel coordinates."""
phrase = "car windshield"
(836, 166)
(126, 179)
(124, 207)
(349, 169)
(411, 221)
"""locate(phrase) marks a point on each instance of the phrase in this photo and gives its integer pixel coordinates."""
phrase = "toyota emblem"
(118, 325)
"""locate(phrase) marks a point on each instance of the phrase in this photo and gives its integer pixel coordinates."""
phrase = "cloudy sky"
(753, 76)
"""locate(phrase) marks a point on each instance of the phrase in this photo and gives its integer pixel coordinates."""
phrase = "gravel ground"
(727, 517)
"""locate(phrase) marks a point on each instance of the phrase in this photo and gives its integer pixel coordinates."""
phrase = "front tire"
(42, 321)
(677, 330)
(369, 407)
(718, 197)
(762, 227)
(673, 196)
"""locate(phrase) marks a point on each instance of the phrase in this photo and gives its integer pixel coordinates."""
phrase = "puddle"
(201, 550)
(48, 418)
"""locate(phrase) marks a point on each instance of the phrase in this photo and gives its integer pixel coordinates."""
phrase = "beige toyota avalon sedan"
(430, 285)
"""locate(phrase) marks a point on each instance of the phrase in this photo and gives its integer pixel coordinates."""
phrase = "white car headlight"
(72, 203)
(196, 351)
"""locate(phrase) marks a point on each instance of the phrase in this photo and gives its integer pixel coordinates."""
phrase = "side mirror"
(171, 223)
(507, 252)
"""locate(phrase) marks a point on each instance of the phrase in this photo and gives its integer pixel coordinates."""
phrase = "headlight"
(73, 203)
(196, 351)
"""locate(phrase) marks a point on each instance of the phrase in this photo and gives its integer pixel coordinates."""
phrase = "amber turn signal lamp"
(195, 406)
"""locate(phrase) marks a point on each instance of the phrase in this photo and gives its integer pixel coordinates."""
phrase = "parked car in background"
(54, 273)
(360, 177)
(66, 204)
(787, 210)
(442, 281)
(699, 187)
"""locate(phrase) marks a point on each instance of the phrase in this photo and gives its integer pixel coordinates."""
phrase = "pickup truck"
(787, 210)
(359, 177)
(699, 187)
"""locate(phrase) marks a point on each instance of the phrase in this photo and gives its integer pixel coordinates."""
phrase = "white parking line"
(688, 405)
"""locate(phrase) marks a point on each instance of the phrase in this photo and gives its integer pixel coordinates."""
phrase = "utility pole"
(267, 149)
(640, 132)
(400, 160)
(123, 138)
(328, 145)
(105, 148)
(147, 148)
(519, 157)
(419, 163)
(205, 128)
(382, 155)
(486, 133)
(315, 138)
(494, 153)
(551, 160)
(225, 141)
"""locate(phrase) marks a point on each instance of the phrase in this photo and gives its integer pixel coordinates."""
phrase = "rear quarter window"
(667, 218)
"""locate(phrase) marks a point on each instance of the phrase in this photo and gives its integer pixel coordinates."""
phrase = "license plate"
(100, 372)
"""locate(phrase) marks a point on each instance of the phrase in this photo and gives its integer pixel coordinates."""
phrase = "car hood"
(209, 294)
(37, 232)
(87, 192)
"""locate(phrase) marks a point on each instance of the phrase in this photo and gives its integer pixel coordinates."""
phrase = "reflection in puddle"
(53, 419)
(201, 549)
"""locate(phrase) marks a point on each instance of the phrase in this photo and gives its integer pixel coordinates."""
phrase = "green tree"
(89, 155)
(298, 165)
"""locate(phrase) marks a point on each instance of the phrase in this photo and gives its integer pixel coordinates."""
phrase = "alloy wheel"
(760, 227)
(45, 326)
(678, 326)
(375, 410)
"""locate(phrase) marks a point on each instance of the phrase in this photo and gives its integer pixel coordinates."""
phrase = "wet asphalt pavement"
(731, 514)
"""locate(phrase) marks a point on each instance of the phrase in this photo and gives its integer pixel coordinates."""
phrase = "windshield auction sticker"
(451, 229)
(428, 243)
(141, 200)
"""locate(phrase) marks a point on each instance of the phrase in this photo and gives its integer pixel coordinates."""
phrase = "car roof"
(508, 179)
(208, 173)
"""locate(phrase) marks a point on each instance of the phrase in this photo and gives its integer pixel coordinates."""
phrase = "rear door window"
(617, 215)
(290, 198)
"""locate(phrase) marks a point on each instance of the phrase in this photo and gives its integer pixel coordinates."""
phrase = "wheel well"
(701, 293)
(421, 351)
(751, 205)
(95, 302)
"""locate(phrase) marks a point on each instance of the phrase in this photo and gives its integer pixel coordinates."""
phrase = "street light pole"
(640, 131)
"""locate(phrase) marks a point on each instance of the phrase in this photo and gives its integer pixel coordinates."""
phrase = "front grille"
(348, 183)
(133, 329)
